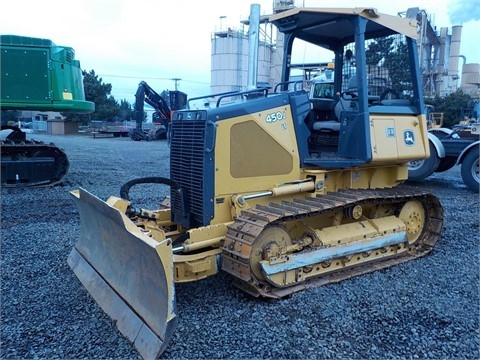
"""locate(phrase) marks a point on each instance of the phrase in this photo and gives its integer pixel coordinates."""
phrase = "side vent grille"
(69, 55)
(187, 167)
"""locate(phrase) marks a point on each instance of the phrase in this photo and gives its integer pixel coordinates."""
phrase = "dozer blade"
(128, 274)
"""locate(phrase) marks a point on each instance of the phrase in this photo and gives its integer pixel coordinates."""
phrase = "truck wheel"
(470, 170)
(418, 170)
(446, 164)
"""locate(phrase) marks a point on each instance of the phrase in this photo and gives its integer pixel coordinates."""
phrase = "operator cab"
(375, 75)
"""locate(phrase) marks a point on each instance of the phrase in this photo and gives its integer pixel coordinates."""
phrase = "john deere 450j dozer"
(252, 195)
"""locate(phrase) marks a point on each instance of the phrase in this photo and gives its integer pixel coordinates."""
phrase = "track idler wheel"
(413, 215)
(267, 246)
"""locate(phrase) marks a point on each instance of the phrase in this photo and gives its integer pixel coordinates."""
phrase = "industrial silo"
(230, 54)
(471, 79)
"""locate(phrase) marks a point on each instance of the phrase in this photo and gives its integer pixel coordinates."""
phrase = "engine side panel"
(398, 138)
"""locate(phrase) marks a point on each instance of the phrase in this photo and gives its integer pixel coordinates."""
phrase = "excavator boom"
(161, 117)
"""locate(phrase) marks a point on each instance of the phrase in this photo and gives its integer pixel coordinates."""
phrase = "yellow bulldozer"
(266, 191)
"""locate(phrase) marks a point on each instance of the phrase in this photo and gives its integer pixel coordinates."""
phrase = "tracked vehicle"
(251, 195)
(37, 75)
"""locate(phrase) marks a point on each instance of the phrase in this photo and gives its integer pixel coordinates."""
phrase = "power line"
(151, 78)
(176, 80)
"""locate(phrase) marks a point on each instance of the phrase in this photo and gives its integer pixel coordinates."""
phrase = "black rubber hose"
(125, 189)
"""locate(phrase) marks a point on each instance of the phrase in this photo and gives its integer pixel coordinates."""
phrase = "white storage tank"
(229, 65)
(471, 79)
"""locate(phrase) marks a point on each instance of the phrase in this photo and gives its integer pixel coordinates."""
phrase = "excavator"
(38, 75)
(161, 117)
(251, 196)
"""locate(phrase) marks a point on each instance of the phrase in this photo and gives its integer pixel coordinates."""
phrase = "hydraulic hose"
(125, 189)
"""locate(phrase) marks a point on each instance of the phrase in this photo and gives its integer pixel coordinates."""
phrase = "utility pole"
(176, 82)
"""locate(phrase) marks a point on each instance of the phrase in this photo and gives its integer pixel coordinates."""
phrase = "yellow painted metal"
(273, 236)
(206, 233)
(249, 165)
(250, 149)
(361, 233)
(116, 202)
(404, 26)
(293, 188)
(325, 181)
(129, 274)
(257, 164)
(256, 153)
(296, 276)
(413, 215)
(214, 242)
(196, 266)
(356, 231)
(363, 178)
(387, 138)
(435, 120)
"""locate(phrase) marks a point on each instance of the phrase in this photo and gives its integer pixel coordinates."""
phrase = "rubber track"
(241, 235)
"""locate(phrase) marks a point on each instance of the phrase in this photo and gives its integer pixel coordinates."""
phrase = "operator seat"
(346, 102)
(347, 99)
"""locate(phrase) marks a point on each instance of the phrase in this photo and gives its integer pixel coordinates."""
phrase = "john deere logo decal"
(409, 137)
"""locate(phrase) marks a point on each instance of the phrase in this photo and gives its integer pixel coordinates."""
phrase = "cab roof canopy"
(332, 27)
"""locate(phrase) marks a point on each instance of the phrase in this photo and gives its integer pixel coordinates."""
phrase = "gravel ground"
(427, 309)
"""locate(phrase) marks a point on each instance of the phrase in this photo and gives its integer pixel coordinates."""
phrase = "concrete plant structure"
(439, 56)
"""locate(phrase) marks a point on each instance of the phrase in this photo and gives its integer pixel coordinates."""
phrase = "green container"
(36, 74)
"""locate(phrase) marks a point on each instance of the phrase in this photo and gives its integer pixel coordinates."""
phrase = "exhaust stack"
(253, 41)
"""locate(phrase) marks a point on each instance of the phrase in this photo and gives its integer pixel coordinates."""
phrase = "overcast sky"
(126, 41)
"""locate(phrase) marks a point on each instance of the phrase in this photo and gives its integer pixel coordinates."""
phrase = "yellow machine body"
(281, 193)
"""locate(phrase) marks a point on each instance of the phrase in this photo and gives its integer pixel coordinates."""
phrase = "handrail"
(296, 82)
(209, 96)
(244, 93)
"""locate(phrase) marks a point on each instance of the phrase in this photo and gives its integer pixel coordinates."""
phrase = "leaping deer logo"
(409, 137)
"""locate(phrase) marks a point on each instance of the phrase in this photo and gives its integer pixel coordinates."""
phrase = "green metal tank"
(38, 75)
